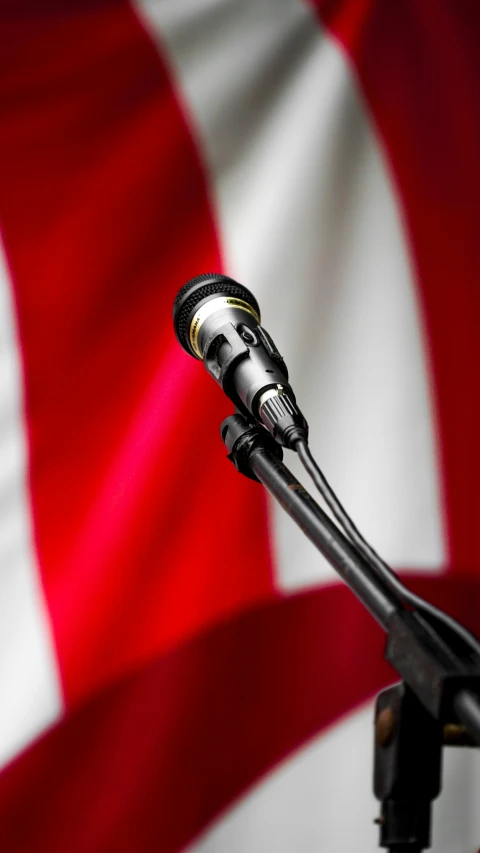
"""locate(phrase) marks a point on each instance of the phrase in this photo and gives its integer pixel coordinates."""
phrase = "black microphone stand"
(436, 704)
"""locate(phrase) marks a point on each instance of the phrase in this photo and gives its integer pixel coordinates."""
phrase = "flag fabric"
(179, 668)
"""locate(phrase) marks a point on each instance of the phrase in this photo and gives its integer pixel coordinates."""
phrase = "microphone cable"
(373, 559)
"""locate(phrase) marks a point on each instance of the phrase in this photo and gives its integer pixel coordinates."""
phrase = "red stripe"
(139, 521)
(147, 764)
(419, 68)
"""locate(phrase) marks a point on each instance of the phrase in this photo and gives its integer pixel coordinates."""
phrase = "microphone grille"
(199, 288)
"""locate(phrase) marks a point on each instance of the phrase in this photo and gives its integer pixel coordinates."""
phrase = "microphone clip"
(243, 438)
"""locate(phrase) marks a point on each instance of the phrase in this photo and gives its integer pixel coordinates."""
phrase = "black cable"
(370, 555)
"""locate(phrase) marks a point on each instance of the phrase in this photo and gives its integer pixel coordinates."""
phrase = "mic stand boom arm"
(438, 701)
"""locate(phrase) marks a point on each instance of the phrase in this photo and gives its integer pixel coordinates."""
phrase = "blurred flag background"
(179, 669)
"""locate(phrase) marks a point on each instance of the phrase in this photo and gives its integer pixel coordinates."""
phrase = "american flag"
(179, 668)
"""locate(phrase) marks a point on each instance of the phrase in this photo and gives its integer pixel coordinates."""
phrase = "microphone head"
(199, 290)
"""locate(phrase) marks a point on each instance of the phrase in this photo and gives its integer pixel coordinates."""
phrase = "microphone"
(217, 320)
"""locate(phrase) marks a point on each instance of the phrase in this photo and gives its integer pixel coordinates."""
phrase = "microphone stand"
(436, 703)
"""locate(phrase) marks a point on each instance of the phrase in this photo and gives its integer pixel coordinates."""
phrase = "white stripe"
(321, 799)
(29, 684)
(309, 221)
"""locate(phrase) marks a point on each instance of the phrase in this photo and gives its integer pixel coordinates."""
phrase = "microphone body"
(217, 320)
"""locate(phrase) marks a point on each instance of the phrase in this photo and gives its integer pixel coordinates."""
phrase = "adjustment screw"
(385, 726)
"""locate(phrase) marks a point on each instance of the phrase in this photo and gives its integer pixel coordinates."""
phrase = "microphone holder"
(436, 703)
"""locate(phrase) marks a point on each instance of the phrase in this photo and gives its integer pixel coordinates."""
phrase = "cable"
(371, 556)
